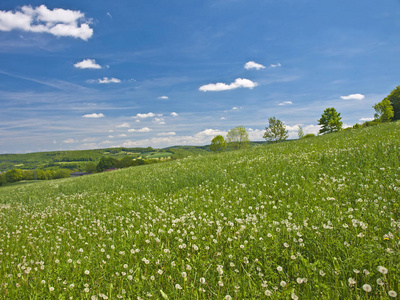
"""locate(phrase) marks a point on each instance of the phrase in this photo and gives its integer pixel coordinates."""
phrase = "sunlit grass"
(311, 218)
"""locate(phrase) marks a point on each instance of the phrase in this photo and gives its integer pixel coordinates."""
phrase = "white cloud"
(110, 136)
(58, 22)
(109, 15)
(239, 83)
(144, 129)
(366, 119)
(163, 98)
(167, 133)
(353, 97)
(70, 141)
(253, 65)
(255, 134)
(122, 135)
(109, 80)
(87, 64)
(144, 116)
(277, 65)
(93, 116)
(236, 108)
(211, 132)
(174, 114)
(223, 118)
(285, 103)
(123, 125)
(159, 121)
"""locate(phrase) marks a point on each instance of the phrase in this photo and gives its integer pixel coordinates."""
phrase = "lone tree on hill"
(383, 111)
(394, 98)
(238, 137)
(218, 144)
(276, 131)
(330, 121)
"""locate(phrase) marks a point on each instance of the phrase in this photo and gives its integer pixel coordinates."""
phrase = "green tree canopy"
(14, 175)
(300, 132)
(218, 144)
(276, 131)
(394, 98)
(106, 163)
(238, 137)
(330, 121)
(383, 111)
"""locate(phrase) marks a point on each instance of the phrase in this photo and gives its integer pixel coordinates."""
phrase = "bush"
(308, 135)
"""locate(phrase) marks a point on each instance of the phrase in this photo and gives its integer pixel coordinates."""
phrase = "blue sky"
(98, 74)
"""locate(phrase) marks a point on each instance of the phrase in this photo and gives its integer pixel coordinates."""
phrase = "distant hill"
(77, 159)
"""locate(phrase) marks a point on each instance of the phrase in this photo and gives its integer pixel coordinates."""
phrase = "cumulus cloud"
(87, 64)
(144, 129)
(123, 125)
(109, 80)
(353, 97)
(93, 116)
(174, 114)
(236, 108)
(171, 133)
(159, 121)
(285, 103)
(253, 65)
(122, 135)
(163, 98)
(239, 83)
(211, 132)
(144, 116)
(58, 22)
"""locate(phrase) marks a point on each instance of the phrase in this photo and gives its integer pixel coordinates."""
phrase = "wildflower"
(294, 297)
(279, 268)
(87, 272)
(392, 294)
(367, 288)
(184, 274)
(178, 287)
(43, 281)
(380, 282)
(220, 271)
(228, 297)
(283, 283)
(382, 270)
(352, 282)
(51, 289)
(202, 280)
(267, 293)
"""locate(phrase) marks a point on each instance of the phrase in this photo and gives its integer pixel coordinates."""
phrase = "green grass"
(313, 218)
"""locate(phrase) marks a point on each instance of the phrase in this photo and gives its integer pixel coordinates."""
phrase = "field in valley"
(306, 219)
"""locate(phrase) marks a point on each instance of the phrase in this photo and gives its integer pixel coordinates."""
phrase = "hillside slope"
(310, 218)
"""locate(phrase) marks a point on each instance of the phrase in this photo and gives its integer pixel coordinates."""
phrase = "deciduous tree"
(394, 98)
(238, 137)
(330, 121)
(276, 131)
(383, 111)
(218, 144)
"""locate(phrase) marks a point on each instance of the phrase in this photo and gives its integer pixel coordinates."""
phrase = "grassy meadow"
(307, 219)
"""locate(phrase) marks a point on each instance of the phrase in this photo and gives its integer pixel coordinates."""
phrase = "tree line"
(16, 175)
(385, 111)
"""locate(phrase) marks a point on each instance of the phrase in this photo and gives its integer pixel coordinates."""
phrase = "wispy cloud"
(275, 66)
(353, 97)
(70, 141)
(238, 83)
(163, 98)
(58, 22)
(253, 65)
(174, 114)
(366, 119)
(123, 125)
(159, 120)
(93, 116)
(144, 129)
(285, 103)
(107, 80)
(166, 133)
(87, 64)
